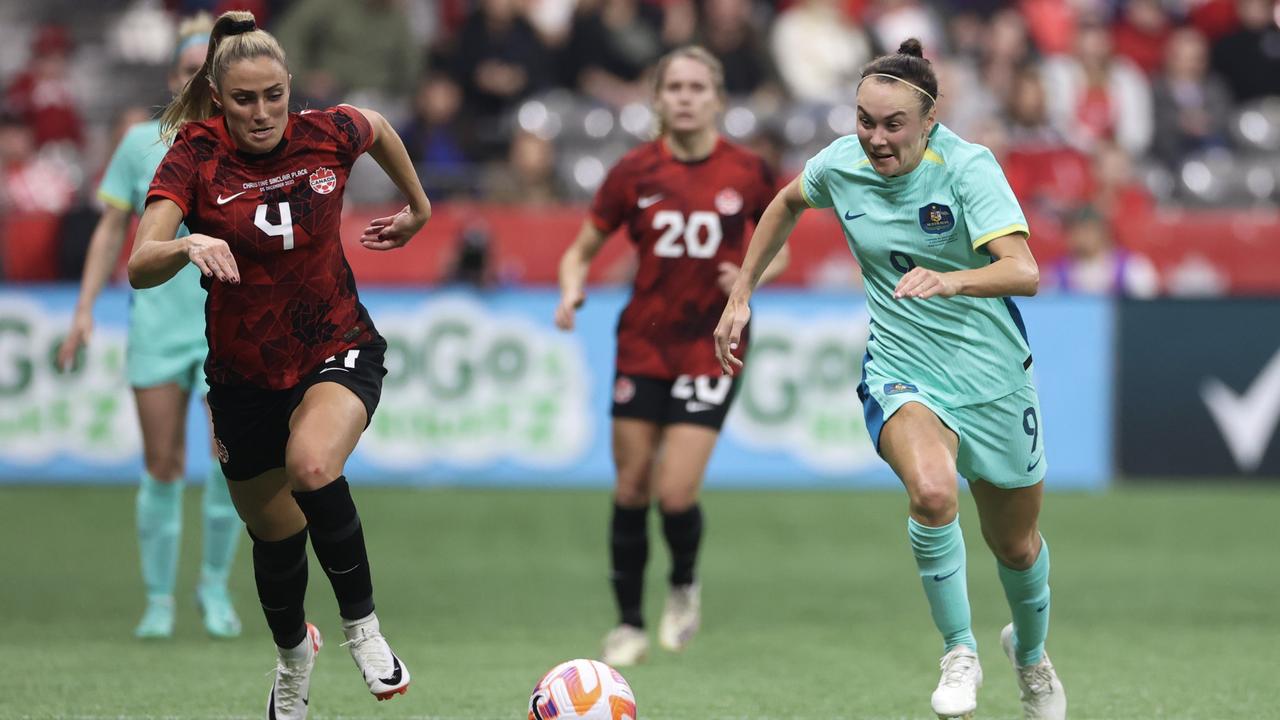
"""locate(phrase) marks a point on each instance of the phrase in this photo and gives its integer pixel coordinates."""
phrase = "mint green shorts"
(183, 366)
(1001, 441)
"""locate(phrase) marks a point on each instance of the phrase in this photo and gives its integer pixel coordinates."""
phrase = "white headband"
(905, 82)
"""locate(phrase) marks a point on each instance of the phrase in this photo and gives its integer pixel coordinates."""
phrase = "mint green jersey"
(939, 216)
(167, 321)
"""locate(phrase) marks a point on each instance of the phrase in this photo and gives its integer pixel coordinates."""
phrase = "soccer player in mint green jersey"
(946, 383)
(166, 354)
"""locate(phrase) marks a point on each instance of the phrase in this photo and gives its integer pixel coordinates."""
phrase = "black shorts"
(701, 400)
(251, 425)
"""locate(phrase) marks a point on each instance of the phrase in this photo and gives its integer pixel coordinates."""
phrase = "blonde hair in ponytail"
(229, 42)
(692, 52)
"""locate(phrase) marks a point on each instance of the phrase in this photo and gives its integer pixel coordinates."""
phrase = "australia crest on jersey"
(936, 219)
(324, 181)
(728, 202)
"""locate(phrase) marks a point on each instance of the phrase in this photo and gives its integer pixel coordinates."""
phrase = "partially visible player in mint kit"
(165, 364)
(946, 383)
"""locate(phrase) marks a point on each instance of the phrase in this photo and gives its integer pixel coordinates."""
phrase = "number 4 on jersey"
(284, 229)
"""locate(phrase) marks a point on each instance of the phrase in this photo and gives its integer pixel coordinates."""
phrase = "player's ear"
(213, 95)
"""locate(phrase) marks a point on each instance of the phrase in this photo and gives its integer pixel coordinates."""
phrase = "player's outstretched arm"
(104, 248)
(777, 265)
(388, 150)
(767, 242)
(573, 272)
(729, 272)
(158, 255)
(1014, 272)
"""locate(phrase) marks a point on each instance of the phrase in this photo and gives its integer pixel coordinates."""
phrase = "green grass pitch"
(1165, 606)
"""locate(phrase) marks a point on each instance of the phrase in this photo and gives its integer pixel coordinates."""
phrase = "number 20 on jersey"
(697, 236)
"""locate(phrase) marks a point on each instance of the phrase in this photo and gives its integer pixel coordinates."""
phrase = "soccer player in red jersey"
(685, 200)
(295, 364)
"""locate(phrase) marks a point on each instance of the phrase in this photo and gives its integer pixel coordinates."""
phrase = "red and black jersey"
(685, 218)
(280, 213)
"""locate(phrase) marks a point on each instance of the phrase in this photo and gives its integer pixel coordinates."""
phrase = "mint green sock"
(222, 529)
(940, 557)
(1028, 595)
(159, 511)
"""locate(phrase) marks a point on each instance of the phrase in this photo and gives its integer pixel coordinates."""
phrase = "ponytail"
(235, 36)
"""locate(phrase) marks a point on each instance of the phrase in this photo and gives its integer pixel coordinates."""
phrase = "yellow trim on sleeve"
(805, 195)
(114, 201)
(933, 157)
(1019, 228)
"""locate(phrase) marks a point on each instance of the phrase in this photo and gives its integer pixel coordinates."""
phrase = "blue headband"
(187, 42)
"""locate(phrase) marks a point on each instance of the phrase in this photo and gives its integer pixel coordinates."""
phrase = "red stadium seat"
(29, 242)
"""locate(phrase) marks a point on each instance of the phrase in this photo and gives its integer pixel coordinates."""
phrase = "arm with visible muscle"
(573, 272)
(1014, 272)
(768, 242)
(157, 255)
(104, 247)
(388, 151)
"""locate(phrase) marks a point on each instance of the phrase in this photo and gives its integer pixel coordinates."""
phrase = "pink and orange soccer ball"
(582, 690)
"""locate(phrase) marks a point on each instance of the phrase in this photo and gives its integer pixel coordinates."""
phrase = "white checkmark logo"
(649, 201)
(1246, 420)
(225, 200)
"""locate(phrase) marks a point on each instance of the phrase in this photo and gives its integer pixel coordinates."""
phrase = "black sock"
(629, 548)
(280, 571)
(338, 541)
(683, 531)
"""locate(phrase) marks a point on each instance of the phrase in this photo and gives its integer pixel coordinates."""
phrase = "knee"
(308, 472)
(165, 465)
(633, 482)
(933, 499)
(1015, 553)
(631, 495)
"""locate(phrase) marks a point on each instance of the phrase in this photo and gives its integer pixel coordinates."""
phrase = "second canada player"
(686, 200)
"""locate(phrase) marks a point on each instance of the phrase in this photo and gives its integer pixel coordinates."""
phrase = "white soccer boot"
(957, 693)
(291, 691)
(624, 646)
(1043, 697)
(681, 617)
(383, 672)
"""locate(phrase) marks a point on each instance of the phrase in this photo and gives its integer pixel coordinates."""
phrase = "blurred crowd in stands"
(1095, 108)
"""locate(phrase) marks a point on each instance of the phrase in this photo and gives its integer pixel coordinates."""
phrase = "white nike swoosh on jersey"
(649, 201)
(333, 368)
(694, 406)
(225, 200)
